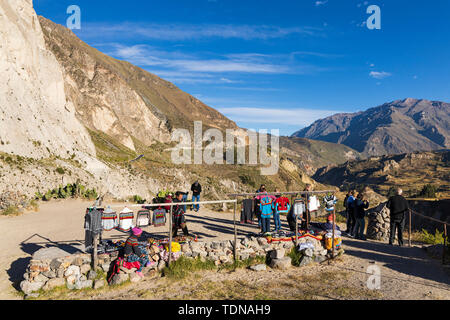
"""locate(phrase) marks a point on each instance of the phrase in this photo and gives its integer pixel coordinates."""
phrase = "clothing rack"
(295, 193)
(172, 204)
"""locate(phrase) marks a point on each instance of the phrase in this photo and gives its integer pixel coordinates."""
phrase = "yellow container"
(175, 247)
(329, 242)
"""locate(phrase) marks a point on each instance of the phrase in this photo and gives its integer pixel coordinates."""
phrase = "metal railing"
(445, 224)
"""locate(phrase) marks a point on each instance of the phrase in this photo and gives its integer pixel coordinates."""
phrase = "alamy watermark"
(74, 20)
(211, 148)
(374, 21)
(374, 280)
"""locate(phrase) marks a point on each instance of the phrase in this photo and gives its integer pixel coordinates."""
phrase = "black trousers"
(351, 221)
(183, 227)
(291, 222)
(397, 224)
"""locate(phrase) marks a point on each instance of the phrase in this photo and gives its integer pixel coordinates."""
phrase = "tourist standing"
(196, 189)
(360, 204)
(397, 206)
(351, 214)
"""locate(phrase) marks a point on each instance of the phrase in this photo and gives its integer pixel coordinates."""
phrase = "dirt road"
(406, 273)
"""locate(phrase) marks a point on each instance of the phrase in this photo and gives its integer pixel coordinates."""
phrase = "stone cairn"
(74, 271)
(379, 223)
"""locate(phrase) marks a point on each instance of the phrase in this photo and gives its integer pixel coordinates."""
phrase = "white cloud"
(320, 3)
(379, 75)
(178, 32)
(298, 117)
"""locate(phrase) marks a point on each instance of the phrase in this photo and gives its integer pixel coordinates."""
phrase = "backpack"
(159, 217)
(143, 218)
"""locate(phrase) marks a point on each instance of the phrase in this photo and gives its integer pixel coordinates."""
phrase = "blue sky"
(276, 64)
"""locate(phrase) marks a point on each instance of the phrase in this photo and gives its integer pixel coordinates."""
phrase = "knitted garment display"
(109, 220)
(159, 217)
(126, 220)
(143, 218)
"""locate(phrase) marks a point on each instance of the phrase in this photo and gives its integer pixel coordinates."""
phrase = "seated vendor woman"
(178, 217)
(133, 252)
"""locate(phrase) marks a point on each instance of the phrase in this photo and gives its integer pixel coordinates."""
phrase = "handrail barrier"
(444, 223)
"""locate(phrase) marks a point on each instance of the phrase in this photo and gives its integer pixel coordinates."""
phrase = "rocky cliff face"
(397, 127)
(69, 113)
(36, 118)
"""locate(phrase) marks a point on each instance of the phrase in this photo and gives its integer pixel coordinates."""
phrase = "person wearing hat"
(178, 217)
(133, 252)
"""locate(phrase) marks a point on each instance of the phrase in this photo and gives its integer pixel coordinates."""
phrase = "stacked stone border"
(75, 273)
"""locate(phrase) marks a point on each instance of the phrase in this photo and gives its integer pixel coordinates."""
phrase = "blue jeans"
(277, 221)
(142, 260)
(265, 225)
(196, 206)
(184, 200)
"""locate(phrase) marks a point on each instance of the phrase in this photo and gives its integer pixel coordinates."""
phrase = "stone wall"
(379, 222)
(379, 218)
(52, 267)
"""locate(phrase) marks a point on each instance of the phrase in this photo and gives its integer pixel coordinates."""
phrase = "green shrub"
(437, 238)
(10, 211)
(183, 266)
(428, 191)
(295, 256)
(138, 199)
(60, 170)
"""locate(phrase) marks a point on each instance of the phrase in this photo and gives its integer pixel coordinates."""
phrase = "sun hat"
(136, 231)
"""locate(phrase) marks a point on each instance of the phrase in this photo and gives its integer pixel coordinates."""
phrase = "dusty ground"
(406, 273)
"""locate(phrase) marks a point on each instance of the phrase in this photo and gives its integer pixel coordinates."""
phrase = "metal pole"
(170, 236)
(235, 232)
(409, 231)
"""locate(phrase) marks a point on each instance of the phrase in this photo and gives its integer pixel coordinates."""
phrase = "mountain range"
(397, 127)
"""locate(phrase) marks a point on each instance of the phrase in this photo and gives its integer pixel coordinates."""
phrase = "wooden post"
(94, 253)
(170, 236)
(445, 244)
(235, 232)
(307, 211)
(296, 229)
(409, 230)
(332, 240)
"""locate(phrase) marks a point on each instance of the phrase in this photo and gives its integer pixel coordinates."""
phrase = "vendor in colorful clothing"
(178, 217)
(133, 252)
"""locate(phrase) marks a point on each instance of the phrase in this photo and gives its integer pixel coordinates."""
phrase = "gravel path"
(406, 273)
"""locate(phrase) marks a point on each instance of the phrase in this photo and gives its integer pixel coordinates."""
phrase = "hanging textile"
(109, 220)
(143, 218)
(126, 220)
(247, 210)
(159, 217)
(92, 225)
